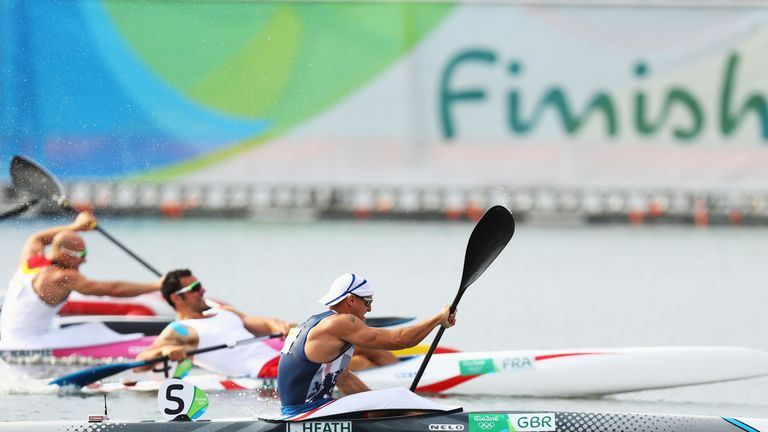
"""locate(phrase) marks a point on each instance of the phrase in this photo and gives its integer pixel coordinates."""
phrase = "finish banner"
(387, 92)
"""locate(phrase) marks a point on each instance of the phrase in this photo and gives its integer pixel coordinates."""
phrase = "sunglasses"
(367, 300)
(193, 287)
(76, 254)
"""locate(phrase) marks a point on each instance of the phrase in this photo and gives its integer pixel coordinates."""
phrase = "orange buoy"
(474, 212)
(171, 209)
(454, 213)
(701, 217)
(636, 216)
(362, 212)
(736, 217)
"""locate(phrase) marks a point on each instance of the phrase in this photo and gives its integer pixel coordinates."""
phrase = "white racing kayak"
(579, 372)
(397, 409)
(479, 421)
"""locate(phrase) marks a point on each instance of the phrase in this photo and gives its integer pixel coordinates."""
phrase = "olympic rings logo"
(486, 426)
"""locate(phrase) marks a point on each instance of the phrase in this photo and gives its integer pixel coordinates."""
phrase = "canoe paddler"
(198, 324)
(43, 282)
(316, 354)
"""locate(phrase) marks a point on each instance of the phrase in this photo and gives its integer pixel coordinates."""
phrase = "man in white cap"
(317, 353)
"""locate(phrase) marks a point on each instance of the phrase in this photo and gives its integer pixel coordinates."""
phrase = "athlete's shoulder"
(342, 322)
(178, 332)
(60, 276)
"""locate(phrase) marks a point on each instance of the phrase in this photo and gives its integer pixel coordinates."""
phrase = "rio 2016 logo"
(514, 422)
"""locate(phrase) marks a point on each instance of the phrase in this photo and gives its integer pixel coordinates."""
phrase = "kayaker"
(43, 282)
(316, 354)
(200, 325)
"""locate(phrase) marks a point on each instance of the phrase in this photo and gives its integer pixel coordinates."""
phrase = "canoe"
(539, 373)
(478, 421)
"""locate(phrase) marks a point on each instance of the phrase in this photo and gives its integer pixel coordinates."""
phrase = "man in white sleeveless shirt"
(42, 283)
(198, 325)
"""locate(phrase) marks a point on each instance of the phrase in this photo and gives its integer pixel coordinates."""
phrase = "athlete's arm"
(36, 243)
(350, 329)
(368, 358)
(83, 285)
(262, 326)
(349, 383)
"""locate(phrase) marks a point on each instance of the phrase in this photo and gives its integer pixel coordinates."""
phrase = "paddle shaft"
(88, 376)
(213, 348)
(66, 206)
(432, 347)
(19, 209)
(128, 251)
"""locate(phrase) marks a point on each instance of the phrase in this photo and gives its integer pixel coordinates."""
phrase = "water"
(553, 287)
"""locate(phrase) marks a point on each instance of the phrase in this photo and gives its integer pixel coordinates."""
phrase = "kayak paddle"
(29, 176)
(19, 209)
(488, 239)
(90, 375)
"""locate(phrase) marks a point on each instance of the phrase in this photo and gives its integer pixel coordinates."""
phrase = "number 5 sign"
(181, 400)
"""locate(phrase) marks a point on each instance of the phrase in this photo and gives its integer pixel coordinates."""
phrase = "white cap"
(345, 284)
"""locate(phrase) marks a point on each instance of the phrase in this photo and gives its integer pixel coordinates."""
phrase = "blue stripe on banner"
(739, 424)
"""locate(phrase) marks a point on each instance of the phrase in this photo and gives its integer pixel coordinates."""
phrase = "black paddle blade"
(491, 234)
(28, 176)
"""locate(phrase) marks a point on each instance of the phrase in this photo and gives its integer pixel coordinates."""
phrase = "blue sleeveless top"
(302, 384)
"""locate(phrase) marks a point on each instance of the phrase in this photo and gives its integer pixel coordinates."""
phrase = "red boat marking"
(76, 307)
(449, 383)
(551, 356)
(269, 370)
(445, 384)
(231, 385)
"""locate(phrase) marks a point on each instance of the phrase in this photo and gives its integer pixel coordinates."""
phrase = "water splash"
(13, 381)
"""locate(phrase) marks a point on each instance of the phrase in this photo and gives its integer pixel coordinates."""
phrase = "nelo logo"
(446, 427)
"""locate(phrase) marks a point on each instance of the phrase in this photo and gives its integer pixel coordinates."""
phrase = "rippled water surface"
(553, 287)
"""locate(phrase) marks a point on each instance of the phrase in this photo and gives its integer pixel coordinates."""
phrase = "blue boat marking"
(739, 424)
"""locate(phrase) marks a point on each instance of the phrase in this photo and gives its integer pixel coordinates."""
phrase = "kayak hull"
(538, 373)
(572, 373)
(123, 340)
(490, 421)
(91, 354)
